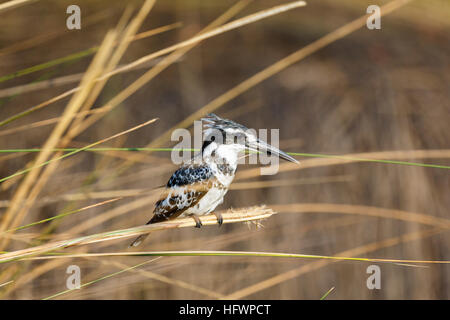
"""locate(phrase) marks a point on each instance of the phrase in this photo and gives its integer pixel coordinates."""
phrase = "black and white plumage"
(199, 185)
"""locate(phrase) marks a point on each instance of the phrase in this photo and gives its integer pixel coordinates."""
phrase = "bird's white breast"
(208, 203)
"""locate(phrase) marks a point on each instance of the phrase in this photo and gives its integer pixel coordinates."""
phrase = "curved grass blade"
(189, 253)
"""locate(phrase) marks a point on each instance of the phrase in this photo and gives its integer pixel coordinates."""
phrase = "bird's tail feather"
(138, 240)
(141, 238)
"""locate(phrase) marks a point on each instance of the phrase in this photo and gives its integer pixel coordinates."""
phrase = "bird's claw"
(219, 218)
(198, 223)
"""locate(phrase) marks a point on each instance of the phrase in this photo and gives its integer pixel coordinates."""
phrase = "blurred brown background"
(374, 90)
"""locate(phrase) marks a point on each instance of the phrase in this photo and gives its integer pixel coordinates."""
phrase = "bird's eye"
(213, 138)
(269, 153)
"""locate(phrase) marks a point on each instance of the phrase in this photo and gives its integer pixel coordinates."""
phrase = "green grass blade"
(49, 64)
(189, 253)
(310, 155)
(327, 293)
(75, 151)
(99, 279)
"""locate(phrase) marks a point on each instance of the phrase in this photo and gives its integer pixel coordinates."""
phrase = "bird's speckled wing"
(185, 189)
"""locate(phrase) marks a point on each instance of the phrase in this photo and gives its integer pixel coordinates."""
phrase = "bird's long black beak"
(264, 147)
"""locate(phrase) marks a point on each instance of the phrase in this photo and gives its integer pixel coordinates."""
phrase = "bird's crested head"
(219, 133)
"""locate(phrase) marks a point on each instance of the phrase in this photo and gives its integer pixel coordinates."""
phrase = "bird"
(200, 184)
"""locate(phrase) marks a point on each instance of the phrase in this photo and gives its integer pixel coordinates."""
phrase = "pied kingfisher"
(201, 183)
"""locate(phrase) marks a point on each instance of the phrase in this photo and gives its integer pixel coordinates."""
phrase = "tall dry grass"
(361, 104)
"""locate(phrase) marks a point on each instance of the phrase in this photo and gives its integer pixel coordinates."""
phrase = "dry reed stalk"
(101, 278)
(119, 51)
(87, 83)
(57, 82)
(6, 283)
(181, 51)
(21, 277)
(408, 216)
(161, 66)
(293, 273)
(148, 274)
(193, 41)
(175, 282)
(101, 218)
(8, 274)
(29, 188)
(224, 240)
(220, 242)
(276, 68)
(45, 122)
(25, 277)
(82, 149)
(216, 31)
(97, 220)
(127, 33)
(109, 215)
(109, 62)
(34, 273)
(228, 239)
(125, 193)
(64, 80)
(8, 233)
(243, 215)
(44, 268)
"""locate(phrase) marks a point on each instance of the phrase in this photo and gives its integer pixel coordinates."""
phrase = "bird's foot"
(198, 223)
(219, 218)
